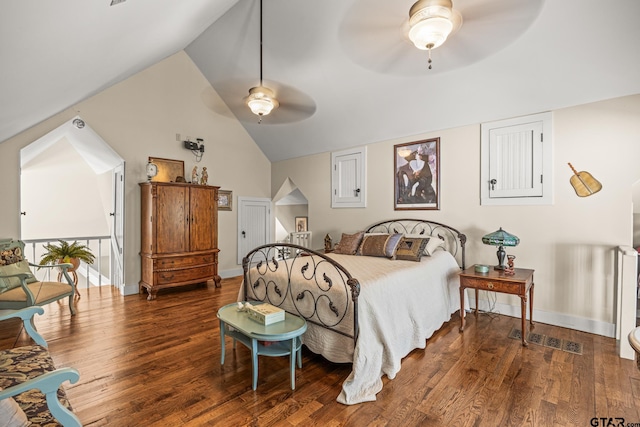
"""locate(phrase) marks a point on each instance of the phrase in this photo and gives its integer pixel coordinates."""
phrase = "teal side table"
(284, 337)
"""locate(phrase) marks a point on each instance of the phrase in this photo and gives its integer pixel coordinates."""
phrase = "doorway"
(290, 203)
(67, 192)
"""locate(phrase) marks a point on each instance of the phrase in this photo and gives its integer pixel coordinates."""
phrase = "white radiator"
(626, 282)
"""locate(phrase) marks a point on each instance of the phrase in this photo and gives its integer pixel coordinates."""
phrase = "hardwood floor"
(157, 363)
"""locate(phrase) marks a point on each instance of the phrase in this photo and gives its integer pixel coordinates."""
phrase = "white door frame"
(117, 229)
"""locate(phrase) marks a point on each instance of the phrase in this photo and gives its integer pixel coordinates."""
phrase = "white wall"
(570, 244)
(59, 184)
(140, 117)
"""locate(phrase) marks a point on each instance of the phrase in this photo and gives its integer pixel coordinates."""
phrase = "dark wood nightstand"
(518, 284)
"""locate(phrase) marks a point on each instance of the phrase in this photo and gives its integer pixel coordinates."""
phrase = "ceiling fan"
(292, 104)
(376, 33)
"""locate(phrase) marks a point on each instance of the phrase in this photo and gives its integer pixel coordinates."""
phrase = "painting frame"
(225, 200)
(416, 168)
(168, 169)
(301, 224)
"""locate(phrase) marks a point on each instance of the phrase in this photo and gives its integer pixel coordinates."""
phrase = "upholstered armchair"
(20, 288)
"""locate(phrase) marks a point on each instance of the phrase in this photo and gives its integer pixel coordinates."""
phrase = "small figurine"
(194, 175)
(510, 269)
(205, 176)
(327, 243)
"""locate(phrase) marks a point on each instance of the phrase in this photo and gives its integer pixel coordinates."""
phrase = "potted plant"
(63, 252)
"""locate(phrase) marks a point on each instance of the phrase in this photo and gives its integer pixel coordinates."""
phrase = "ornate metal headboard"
(453, 240)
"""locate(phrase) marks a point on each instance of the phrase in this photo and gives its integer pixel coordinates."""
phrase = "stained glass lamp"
(500, 239)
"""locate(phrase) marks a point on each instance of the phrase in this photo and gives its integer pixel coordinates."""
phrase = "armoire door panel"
(172, 212)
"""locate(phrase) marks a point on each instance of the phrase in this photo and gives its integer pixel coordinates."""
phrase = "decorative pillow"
(11, 415)
(349, 243)
(11, 255)
(434, 243)
(15, 268)
(411, 248)
(380, 245)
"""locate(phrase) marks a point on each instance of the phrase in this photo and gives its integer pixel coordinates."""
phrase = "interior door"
(117, 228)
(254, 224)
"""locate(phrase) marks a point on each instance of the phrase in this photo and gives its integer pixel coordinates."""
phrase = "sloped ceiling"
(342, 69)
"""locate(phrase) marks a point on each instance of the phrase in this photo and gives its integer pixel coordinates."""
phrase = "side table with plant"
(64, 252)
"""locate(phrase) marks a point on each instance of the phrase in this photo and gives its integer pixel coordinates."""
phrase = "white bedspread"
(401, 304)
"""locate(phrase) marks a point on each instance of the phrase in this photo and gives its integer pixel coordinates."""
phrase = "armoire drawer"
(183, 261)
(186, 275)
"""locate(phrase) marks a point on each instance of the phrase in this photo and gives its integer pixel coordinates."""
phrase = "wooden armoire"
(179, 230)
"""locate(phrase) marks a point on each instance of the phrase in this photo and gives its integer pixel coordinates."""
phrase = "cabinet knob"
(490, 285)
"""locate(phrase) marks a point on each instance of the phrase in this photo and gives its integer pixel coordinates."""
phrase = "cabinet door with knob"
(179, 235)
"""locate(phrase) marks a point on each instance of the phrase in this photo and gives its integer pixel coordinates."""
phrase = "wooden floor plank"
(157, 363)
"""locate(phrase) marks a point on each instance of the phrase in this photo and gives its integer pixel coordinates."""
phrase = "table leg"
(293, 363)
(523, 312)
(254, 362)
(531, 304)
(461, 309)
(477, 301)
(222, 342)
(299, 353)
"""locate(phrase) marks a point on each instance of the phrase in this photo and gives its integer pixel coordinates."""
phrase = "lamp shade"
(500, 238)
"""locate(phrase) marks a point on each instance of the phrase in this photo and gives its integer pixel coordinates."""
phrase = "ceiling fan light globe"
(431, 32)
(261, 100)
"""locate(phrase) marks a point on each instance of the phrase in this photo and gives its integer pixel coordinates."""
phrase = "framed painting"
(301, 223)
(168, 170)
(225, 200)
(416, 175)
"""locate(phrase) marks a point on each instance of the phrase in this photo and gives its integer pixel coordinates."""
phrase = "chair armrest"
(48, 384)
(64, 267)
(26, 314)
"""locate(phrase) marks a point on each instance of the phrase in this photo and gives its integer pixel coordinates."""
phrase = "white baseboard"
(557, 319)
(129, 289)
(231, 273)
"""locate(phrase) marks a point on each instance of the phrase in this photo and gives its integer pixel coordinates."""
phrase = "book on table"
(265, 314)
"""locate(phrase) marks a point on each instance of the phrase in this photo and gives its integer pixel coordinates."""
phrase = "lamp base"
(501, 254)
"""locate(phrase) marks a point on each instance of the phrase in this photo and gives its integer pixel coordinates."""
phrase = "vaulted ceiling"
(343, 70)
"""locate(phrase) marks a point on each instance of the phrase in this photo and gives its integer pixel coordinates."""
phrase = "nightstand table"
(277, 339)
(518, 284)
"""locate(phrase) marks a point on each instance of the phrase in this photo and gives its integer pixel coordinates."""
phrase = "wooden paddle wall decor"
(584, 183)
